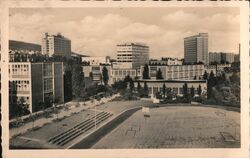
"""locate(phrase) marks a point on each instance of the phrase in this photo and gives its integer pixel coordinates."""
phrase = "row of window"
(22, 85)
(174, 90)
(123, 72)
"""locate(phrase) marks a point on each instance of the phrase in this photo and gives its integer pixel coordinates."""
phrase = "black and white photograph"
(126, 77)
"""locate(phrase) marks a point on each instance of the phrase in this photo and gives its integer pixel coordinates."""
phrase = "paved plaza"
(176, 127)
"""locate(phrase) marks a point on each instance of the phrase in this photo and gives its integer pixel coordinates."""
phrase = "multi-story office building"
(56, 45)
(176, 72)
(176, 86)
(132, 55)
(196, 48)
(35, 83)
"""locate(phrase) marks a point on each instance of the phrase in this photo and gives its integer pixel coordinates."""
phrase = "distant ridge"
(19, 45)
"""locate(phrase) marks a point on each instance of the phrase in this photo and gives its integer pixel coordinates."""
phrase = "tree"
(145, 74)
(164, 90)
(192, 91)
(212, 81)
(127, 79)
(105, 75)
(91, 75)
(199, 90)
(159, 74)
(145, 89)
(169, 93)
(138, 86)
(185, 90)
(205, 75)
(131, 85)
(77, 80)
(67, 86)
(235, 78)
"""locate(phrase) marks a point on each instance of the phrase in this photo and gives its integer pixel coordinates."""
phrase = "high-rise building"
(196, 48)
(214, 57)
(34, 83)
(56, 45)
(132, 55)
(221, 57)
(227, 57)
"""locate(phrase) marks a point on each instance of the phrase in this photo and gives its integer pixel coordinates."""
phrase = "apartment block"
(196, 48)
(56, 45)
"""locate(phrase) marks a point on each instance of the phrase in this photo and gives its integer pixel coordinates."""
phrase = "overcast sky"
(96, 31)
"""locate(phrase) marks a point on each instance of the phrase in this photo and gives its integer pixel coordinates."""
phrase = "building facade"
(132, 55)
(36, 82)
(176, 72)
(120, 74)
(227, 57)
(176, 86)
(56, 45)
(196, 48)
(166, 61)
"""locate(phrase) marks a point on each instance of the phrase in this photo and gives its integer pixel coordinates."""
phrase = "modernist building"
(176, 86)
(56, 45)
(196, 48)
(176, 72)
(120, 74)
(132, 55)
(36, 82)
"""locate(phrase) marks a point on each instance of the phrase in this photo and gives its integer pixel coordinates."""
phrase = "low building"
(94, 73)
(165, 61)
(210, 68)
(120, 74)
(96, 60)
(176, 86)
(34, 83)
(220, 67)
(176, 72)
